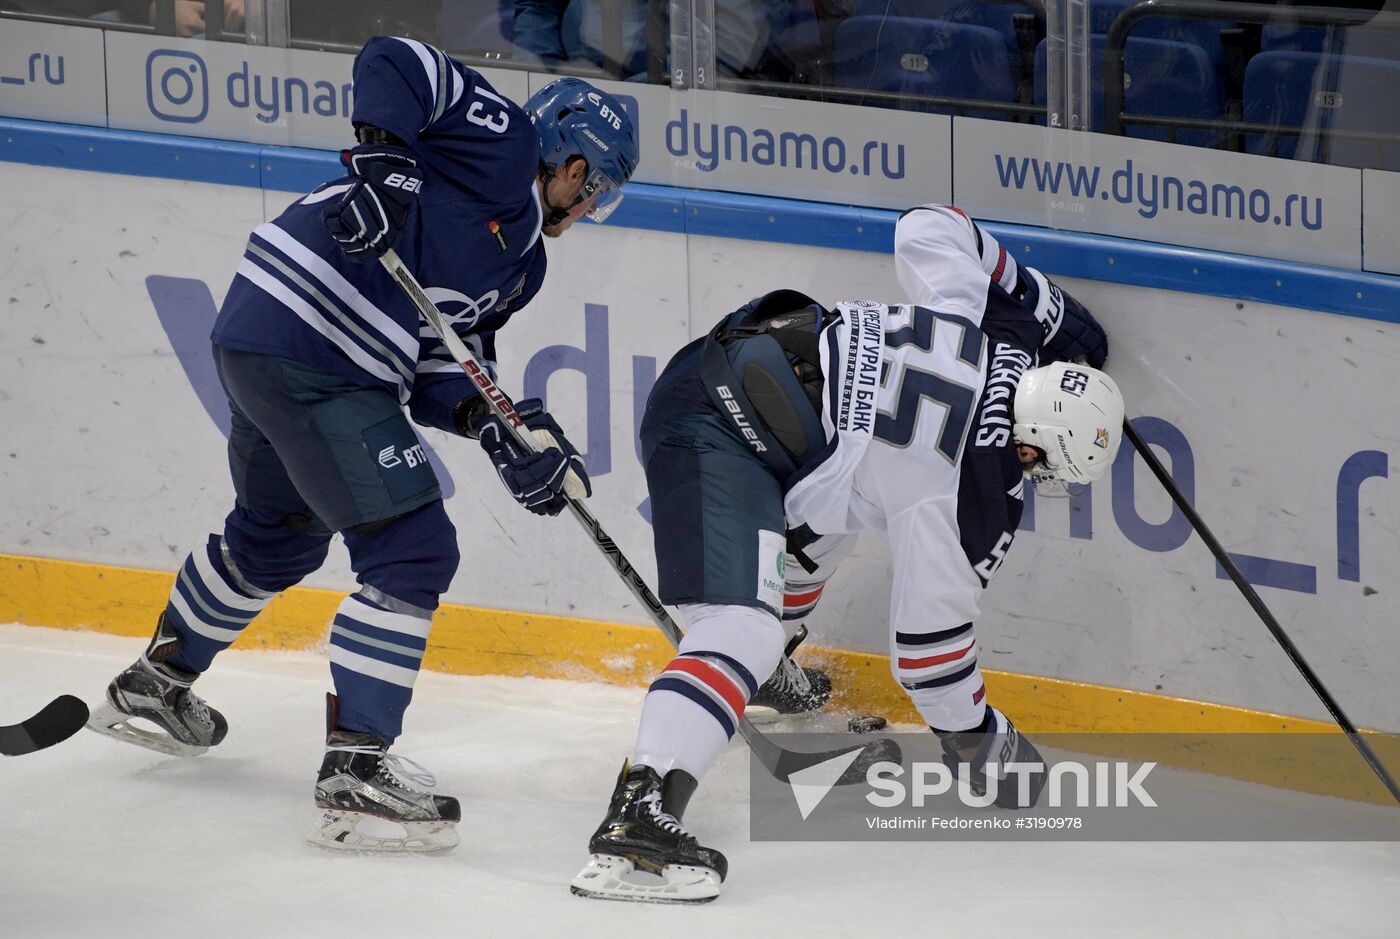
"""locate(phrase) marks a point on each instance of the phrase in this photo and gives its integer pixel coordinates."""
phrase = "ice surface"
(98, 838)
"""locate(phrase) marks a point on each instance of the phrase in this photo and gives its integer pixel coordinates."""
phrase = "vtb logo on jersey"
(1075, 383)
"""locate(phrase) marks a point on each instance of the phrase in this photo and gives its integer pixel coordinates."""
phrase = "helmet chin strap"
(554, 214)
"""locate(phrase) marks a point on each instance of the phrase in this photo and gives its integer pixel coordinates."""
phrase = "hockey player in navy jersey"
(771, 441)
(320, 354)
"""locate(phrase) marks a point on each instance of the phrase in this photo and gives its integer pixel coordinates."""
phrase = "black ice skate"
(643, 833)
(371, 801)
(156, 692)
(969, 752)
(792, 689)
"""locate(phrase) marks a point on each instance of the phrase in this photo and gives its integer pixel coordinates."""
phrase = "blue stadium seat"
(1278, 90)
(795, 40)
(1165, 79)
(1202, 33)
(1321, 93)
(924, 57)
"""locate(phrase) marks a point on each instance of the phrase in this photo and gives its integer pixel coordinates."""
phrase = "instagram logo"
(177, 86)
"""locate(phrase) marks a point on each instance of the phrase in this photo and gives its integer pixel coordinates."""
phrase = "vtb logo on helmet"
(575, 119)
(1074, 414)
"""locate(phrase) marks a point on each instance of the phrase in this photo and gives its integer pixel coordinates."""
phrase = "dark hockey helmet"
(575, 119)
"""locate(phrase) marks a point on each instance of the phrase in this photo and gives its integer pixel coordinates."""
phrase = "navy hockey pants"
(717, 509)
(310, 454)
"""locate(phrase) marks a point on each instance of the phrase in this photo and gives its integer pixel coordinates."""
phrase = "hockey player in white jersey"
(774, 439)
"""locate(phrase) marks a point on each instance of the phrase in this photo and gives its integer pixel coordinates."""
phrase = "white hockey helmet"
(1074, 414)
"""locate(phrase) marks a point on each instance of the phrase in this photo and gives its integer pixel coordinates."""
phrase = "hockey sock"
(691, 711)
(209, 606)
(380, 632)
(694, 706)
(377, 646)
(805, 584)
(938, 669)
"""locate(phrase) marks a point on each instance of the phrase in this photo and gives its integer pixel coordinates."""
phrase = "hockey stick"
(60, 719)
(1257, 604)
(777, 760)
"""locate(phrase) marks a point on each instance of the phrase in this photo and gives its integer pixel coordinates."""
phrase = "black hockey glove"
(368, 217)
(539, 481)
(1079, 337)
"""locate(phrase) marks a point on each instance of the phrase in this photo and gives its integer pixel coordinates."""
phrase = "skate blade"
(606, 877)
(358, 833)
(110, 722)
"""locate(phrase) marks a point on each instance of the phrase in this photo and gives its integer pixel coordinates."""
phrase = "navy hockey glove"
(368, 217)
(538, 481)
(1076, 335)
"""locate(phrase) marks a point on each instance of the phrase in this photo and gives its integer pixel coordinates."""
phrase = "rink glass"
(1239, 77)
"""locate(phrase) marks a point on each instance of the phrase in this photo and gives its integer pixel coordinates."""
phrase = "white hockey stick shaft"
(778, 761)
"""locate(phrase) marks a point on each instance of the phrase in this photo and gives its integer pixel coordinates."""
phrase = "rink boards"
(1279, 421)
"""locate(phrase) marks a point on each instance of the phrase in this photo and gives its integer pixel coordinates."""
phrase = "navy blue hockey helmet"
(575, 119)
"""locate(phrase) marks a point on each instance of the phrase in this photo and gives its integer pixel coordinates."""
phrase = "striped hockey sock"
(939, 671)
(377, 646)
(692, 710)
(210, 605)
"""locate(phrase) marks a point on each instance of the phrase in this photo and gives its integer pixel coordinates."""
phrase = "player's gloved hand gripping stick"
(777, 760)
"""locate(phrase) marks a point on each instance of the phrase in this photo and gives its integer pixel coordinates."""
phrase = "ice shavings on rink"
(101, 838)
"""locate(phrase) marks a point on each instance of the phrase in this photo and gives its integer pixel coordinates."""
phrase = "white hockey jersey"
(918, 417)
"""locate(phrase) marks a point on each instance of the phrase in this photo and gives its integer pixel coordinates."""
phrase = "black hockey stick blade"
(782, 763)
(63, 717)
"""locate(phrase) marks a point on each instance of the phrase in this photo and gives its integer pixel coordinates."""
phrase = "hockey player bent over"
(319, 352)
(791, 426)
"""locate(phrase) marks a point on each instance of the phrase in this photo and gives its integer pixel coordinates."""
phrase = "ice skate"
(371, 801)
(158, 694)
(642, 853)
(792, 689)
(970, 751)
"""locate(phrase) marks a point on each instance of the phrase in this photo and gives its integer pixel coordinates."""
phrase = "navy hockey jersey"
(473, 242)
